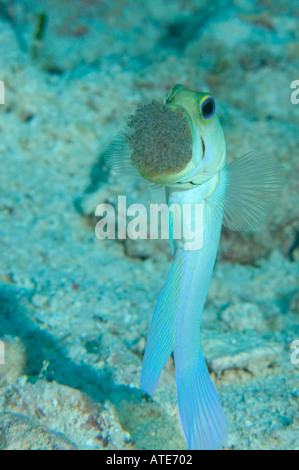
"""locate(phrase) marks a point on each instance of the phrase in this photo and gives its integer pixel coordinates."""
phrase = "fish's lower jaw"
(201, 189)
(163, 179)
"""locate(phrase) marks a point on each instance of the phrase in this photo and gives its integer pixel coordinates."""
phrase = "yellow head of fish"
(176, 142)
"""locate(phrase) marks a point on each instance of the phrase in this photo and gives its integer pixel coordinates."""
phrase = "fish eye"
(208, 108)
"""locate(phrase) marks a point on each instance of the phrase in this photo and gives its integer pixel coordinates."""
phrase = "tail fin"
(161, 337)
(203, 420)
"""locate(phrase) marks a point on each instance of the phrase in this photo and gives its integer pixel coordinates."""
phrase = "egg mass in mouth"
(160, 140)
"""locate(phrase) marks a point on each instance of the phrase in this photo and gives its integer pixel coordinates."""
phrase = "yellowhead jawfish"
(180, 144)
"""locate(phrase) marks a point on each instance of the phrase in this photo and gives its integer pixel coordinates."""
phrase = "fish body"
(176, 326)
(181, 145)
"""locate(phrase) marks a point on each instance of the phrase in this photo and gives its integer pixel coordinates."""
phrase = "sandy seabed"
(75, 311)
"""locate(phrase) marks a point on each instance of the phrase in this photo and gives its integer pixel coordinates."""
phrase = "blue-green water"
(74, 310)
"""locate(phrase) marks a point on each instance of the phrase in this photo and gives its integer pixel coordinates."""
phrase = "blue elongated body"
(176, 325)
(202, 418)
(186, 152)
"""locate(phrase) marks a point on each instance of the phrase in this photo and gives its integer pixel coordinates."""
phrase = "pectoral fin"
(252, 185)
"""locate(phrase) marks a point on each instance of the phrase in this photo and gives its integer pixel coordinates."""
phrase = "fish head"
(208, 143)
(179, 142)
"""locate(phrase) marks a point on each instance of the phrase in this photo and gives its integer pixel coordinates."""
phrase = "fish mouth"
(160, 140)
